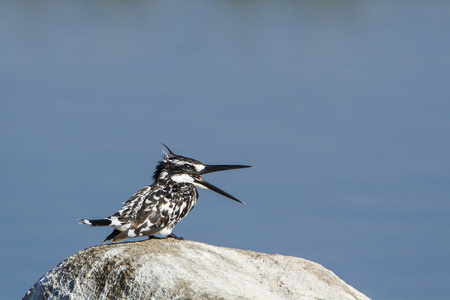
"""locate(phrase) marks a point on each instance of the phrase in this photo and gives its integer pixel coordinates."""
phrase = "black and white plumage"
(157, 208)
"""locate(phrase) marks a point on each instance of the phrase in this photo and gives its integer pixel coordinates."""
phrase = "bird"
(159, 207)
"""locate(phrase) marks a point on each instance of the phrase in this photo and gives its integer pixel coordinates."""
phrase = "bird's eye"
(189, 167)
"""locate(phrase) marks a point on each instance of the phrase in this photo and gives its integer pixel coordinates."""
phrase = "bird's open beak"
(215, 168)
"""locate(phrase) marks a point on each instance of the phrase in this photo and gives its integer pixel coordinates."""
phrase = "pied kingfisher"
(157, 208)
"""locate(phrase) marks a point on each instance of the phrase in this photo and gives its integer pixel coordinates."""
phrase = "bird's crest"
(169, 155)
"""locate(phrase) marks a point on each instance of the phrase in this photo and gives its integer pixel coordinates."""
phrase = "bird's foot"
(175, 237)
(152, 237)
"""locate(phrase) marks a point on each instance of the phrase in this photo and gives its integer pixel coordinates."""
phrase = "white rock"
(173, 269)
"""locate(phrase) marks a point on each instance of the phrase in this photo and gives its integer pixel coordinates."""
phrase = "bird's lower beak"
(206, 185)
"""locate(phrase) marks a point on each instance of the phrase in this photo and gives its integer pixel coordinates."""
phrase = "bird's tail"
(98, 222)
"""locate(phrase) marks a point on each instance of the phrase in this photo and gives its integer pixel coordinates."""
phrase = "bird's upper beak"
(215, 168)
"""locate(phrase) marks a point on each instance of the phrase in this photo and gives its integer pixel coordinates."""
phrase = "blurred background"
(342, 107)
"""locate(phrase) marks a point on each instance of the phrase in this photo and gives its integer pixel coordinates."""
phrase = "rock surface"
(173, 269)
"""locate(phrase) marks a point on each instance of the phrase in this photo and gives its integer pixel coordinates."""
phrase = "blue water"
(343, 107)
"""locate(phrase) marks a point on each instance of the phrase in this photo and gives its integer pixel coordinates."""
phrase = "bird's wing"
(151, 216)
(164, 206)
(127, 214)
(130, 219)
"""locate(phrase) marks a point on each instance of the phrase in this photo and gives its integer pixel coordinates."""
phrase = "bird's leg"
(153, 237)
(175, 237)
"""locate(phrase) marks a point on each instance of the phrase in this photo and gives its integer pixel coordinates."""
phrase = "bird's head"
(187, 170)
